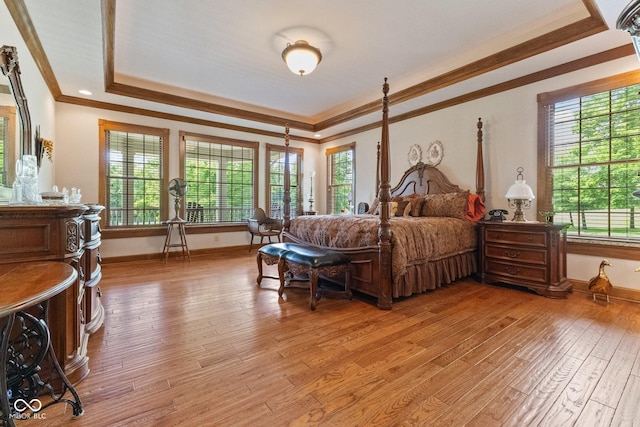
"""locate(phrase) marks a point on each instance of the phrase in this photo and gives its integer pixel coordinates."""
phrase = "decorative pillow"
(373, 210)
(407, 210)
(416, 205)
(394, 208)
(452, 205)
(402, 206)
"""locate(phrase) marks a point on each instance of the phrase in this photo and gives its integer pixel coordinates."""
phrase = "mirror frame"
(11, 69)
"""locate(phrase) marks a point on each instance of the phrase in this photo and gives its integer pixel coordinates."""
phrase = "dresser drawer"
(516, 253)
(512, 273)
(529, 238)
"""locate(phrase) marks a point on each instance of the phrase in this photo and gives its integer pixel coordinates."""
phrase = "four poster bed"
(423, 237)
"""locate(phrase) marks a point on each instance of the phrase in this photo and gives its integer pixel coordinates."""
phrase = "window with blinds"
(593, 163)
(222, 178)
(275, 178)
(341, 178)
(133, 165)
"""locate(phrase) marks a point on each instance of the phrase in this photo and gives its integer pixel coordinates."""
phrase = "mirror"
(8, 130)
(11, 69)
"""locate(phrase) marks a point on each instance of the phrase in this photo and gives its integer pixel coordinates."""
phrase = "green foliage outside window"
(594, 163)
(220, 179)
(134, 179)
(341, 173)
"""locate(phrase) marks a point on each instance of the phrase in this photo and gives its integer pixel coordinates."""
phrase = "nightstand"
(529, 254)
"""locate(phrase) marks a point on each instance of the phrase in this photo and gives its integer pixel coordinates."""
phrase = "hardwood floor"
(198, 344)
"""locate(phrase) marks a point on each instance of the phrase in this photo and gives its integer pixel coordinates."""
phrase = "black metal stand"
(26, 389)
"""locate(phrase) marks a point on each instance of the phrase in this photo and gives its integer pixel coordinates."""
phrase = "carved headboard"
(423, 179)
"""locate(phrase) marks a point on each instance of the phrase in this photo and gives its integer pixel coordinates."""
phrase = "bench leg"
(281, 267)
(347, 284)
(259, 260)
(313, 279)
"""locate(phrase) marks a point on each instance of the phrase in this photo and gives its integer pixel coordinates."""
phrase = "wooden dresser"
(530, 254)
(61, 233)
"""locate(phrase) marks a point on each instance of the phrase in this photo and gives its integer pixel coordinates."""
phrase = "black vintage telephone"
(497, 215)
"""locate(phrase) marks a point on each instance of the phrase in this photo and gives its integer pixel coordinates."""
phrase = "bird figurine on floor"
(601, 283)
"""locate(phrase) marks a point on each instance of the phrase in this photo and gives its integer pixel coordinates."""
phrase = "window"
(275, 178)
(133, 185)
(222, 178)
(7, 145)
(591, 141)
(341, 168)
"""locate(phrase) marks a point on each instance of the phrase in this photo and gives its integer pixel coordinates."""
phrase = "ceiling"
(219, 62)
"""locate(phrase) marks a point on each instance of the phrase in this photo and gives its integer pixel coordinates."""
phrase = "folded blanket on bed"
(475, 208)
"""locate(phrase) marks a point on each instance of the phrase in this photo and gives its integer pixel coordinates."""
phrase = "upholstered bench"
(301, 259)
(316, 261)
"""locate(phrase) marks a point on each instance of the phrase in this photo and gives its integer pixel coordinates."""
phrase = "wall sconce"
(301, 57)
(519, 196)
(629, 20)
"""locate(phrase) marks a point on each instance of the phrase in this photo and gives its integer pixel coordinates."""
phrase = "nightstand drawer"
(527, 273)
(529, 238)
(516, 253)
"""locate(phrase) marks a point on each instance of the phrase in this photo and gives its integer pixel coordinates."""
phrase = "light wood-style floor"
(198, 344)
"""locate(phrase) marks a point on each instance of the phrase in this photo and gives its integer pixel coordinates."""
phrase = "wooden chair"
(261, 225)
(195, 212)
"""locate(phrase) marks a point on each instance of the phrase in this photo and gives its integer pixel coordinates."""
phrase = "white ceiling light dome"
(301, 57)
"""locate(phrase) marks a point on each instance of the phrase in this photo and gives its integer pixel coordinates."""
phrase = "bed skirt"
(434, 274)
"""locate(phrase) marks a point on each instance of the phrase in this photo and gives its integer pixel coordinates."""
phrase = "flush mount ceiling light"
(629, 20)
(301, 57)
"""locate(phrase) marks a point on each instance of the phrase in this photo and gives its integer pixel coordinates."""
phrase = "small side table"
(171, 224)
(25, 343)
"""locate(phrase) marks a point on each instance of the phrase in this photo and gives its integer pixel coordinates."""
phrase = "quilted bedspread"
(415, 240)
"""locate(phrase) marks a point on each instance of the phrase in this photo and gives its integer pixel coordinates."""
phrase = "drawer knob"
(510, 254)
(513, 270)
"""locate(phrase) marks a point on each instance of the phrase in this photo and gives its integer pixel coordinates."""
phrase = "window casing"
(275, 178)
(590, 161)
(133, 170)
(341, 172)
(222, 178)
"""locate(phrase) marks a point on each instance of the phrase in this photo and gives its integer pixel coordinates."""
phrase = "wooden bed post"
(480, 164)
(378, 172)
(287, 182)
(384, 232)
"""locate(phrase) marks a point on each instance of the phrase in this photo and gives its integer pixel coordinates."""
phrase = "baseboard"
(624, 294)
(225, 251)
